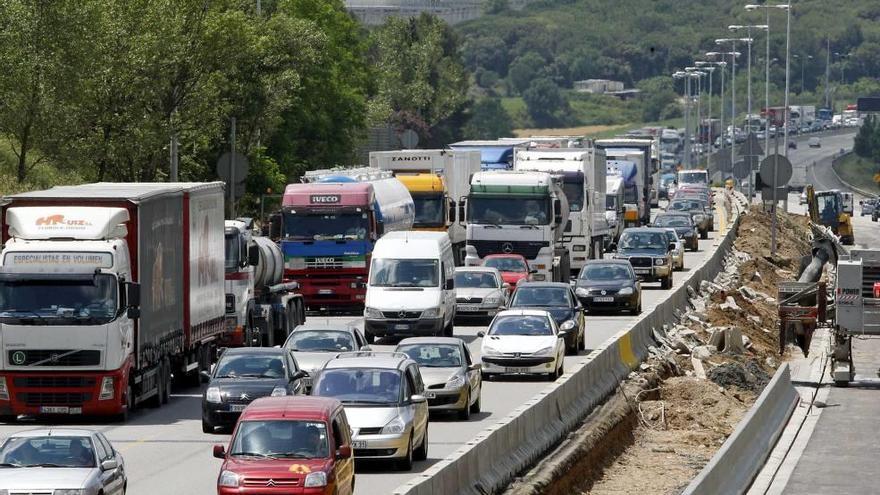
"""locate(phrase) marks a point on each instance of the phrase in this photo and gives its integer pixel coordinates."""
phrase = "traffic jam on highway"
(113, 293)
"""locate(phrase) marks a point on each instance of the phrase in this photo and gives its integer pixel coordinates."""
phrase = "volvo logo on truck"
(324, 198)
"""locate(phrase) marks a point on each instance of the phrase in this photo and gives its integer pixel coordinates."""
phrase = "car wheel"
(449, 329)
(582, 343)
(571, 348)
(406, 463)
(638, 309)
(704, 234)
(476, 407)
(421, 453)
(207, 427)
(465, 413)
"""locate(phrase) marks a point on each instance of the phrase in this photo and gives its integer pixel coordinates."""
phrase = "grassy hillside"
(858, 171)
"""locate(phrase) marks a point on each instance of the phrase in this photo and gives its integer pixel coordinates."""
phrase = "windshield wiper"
(47, 464)
(9, 464)
(28, 311)
(291, 455)
(251, 454)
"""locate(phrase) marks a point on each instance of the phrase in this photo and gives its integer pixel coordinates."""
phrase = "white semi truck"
(437, 180)
(107, 291)
(614, 207)
(518, 212)
(639, 151)
(582, 172)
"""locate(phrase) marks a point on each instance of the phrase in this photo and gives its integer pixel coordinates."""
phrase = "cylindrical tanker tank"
(270, 267)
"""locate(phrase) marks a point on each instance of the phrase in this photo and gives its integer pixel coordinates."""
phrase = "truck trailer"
(108, 291)
(639, 151)
(494, 154)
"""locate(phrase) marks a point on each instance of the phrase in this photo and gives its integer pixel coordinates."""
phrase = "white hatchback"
(523, 342)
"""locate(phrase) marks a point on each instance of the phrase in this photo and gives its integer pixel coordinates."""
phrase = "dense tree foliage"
(488, 120)
(867, 141)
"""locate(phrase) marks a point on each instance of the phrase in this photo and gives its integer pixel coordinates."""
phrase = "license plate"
(516, 370)
(55, 410)
(603, 299)
(643, 271)
(401, 326)
(430, 395)
(237, 407)
(358, 444)
(468, 308)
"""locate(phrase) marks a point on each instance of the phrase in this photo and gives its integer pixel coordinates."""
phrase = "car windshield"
(320, 341)
(429, 211)
(606, 272)
(692, 177)
(293, 439)
(321, 227)
(574, 193)
(433, 355)
(476, 280)
(508, 211)
(360, 385)
(541, 296)
(521, 325)
(387, 272)
(672, 221)
(250, 366)
(643, 240)
(62, 300)
(684, 205)
(507, 264)
(48, 451)
(671, 236)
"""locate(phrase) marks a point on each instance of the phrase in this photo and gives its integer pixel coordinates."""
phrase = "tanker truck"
(107, 292)
(329, 225)
(261, 308)
(518, 212)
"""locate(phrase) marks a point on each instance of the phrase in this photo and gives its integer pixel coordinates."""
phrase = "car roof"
(430, 340)
(485, 269)
(608, 262)
(534, 285)
(291, 407)
(523, 312)
(644, 229)
(673, 214)
(504, 255)
(368, 359)
(54, 432)
(324, 326)
(234, 351)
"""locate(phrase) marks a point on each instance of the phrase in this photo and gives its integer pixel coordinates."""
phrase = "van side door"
(341, 435)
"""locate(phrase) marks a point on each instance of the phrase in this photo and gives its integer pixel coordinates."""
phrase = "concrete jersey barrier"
(732, 469)
(488, 462)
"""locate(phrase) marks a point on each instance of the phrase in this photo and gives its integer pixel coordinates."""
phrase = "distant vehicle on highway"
(649, 253)
(313, 344)
(609, 285)
(480, 292)
(61, 461)
(523, 341)
(284, 442)
(243, 375)
(453, 381)
(814, 142)
(513, 267)
(698, 210)
(384, 398)
(868, 206)
(558, 299)
(684, 227)
(678, 251)
(792, 144)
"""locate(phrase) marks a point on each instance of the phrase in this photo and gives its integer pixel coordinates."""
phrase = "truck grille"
(324, 263)
(54, 382)
(54, 357)
(36, 399)
(472, 300)
(641, 262)
(402, 315)
(528, 249)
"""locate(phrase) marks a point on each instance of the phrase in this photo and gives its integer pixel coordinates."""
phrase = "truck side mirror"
(450, 284)
(462, 210)
(132, 294)
(450, 208)
(557, 211)
(253, 255)
(275, 226)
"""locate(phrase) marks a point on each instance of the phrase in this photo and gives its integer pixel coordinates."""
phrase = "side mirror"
(474, 367)
(533, 271)
(109, 465)
(133, 294)
(133, 313)
(300, 374)
(505, 286)
(612, 246)
(418, 398)
(561, 334)
(275, 226)
(450, 210)
(220, 452)
(462, 209)
(449, 285)
(481, 334)
(671, 246)
(204, 376)
(254, 255)
(366, 348)
(344, 452)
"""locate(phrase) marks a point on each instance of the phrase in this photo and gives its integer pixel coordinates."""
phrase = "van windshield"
(288, 439)
(386, 272)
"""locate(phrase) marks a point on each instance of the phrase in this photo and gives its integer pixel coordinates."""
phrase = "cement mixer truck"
(329, 225)
(261, 308)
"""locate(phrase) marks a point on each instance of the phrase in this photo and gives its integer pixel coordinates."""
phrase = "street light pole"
(787, 77)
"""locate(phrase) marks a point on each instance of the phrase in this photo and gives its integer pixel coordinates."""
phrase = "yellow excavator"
(826, 208)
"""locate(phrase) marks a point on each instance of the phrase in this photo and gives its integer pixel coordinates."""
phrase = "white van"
(411, 287)
(847, 202)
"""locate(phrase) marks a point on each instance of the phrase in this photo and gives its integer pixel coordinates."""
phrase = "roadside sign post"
(777, 169)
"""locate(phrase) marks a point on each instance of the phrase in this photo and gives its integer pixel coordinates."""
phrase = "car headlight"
(545, 351)
(213, 395)
(568, 325)
(581, 291)
(490, 351)
(626, 291)
(660, 261)
(230, 479)
(394, 427)
(279, 391)
(318, 478)
(62, 491)
(372, 313)
(431, 313)
(456, 382)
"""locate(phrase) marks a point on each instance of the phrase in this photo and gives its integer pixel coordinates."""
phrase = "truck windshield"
(509, 211)
(233, 252)
(429, 211)
(692, 178)
(325, 226)
(611, 203)
(386, 272)
(86, 300)
(630, 194)
(574, 192)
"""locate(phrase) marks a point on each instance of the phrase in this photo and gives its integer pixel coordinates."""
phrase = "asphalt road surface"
(166, 452)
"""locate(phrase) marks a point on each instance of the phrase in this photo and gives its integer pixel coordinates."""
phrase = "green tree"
(545, 102)
(488, 120)
(524, 70)
(864, 140)
(657, 94)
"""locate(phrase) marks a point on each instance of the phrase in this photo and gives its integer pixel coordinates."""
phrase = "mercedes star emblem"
(402, 314)
(507, 247)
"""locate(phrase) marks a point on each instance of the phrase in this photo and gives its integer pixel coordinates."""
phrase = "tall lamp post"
(803, 60)
(709, 67)
(733, 42)
(695, 71)
(687, 130)
(733, 54)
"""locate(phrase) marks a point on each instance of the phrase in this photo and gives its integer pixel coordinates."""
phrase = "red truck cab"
(294, 445)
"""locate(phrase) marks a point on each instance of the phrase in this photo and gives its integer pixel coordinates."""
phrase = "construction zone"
(667, 420)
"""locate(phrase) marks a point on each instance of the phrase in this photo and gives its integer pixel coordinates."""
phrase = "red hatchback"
(513, 267)
(291, 445)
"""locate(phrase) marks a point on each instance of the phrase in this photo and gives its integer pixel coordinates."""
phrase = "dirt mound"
(792, 238)
(750, 376)
(693, 407)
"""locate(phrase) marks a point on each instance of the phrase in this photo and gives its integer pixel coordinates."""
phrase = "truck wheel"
(156, 400)
(129, 403)
(704, 234)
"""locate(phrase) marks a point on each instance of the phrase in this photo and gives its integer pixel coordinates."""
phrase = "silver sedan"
(69, 461)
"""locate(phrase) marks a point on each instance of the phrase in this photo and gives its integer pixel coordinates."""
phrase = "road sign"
(241, 167)
(741, 170)
(781, 175)
(409, 139)
(751, 146)
(752, 160)
(722, 162)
